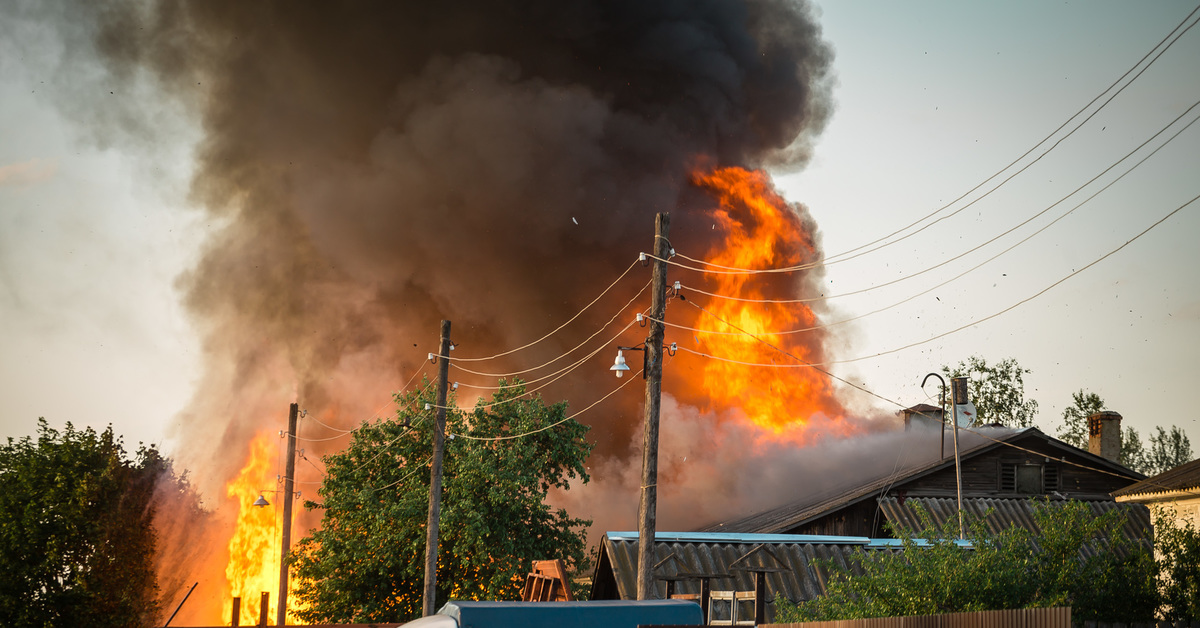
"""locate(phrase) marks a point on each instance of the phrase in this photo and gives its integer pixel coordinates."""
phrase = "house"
(1001, 469)
(773, 552)
(1174, 493)
(694, 564)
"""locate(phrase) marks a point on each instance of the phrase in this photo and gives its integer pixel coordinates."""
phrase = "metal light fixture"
(261, 501)
(619, 365)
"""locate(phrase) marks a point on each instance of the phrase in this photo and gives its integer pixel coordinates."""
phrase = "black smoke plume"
(370, 168)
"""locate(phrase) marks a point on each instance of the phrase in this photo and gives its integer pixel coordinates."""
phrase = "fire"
(254, 547)
(762, 230)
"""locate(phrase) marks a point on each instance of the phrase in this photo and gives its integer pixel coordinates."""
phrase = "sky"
(932, 98)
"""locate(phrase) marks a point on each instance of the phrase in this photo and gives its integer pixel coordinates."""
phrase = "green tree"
(1178, 551)
(366, 562)
(1133, 453)
(1010, 569)
(76, 536)
(997, 390)
(1074, 430)
(1168, 449)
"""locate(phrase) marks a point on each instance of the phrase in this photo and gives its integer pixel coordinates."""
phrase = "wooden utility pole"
(648, 505)
(288, 492)
(435, 477)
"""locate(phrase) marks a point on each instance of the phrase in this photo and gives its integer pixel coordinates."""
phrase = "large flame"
(762, 230)
(254, 547)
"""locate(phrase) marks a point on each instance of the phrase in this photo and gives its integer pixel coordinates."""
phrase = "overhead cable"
(988, 260)
(1173, 36)
(555, 424)
(561, 356)
(556, 330)
(957, 329)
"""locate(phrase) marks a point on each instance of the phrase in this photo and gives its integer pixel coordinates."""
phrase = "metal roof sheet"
(1182, 478)
(1001, 514)
(804, 580)
(734, 538)
(811, 507)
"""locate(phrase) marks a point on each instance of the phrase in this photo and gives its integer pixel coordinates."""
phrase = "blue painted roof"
(803, 539)
(734, 537)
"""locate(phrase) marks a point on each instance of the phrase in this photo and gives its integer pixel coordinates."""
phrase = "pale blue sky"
(931, 99)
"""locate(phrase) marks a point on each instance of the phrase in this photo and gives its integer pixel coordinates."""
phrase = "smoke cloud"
(373, 167)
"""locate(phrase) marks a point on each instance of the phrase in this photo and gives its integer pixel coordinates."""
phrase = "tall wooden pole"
(435, 477)
(958, 388)
(288, 492)
(654, 347)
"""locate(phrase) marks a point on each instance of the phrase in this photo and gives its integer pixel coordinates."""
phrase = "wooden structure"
(547, 583)
(1005, 464)
(1059, 617)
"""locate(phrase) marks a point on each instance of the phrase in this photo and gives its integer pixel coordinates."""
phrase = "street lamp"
(619, 366)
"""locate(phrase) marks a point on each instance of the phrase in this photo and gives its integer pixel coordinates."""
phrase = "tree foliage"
(997, 390)
(366, 562)
(1011, 569)
(1074, 430)
(1168, 449)
(1178, 550)
(76, 536)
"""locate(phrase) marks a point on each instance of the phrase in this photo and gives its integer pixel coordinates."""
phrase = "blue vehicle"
(598, 614)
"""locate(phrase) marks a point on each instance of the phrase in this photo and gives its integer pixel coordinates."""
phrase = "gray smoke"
(373, 167)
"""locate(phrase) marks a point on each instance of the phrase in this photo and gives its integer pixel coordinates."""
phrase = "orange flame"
(254, 547)
(762, 230)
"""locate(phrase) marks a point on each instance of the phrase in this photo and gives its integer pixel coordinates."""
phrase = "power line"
(622, 310)
(564, 373)
(560, 327)
(986, 261)
(855, 252)
(556, 423)
(957, 329)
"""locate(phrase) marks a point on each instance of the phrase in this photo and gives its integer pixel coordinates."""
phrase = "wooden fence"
(1159, 624)
(1020, 618)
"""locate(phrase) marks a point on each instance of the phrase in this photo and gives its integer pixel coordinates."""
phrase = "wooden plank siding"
(1059, 617)
(981, 474)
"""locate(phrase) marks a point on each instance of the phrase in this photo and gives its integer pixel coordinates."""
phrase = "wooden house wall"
(861, 519)
(981, 474)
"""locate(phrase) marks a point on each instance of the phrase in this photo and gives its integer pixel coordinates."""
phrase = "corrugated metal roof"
(1181, 478)
(802, 511)
(1002, 514)
(803, 581)
(731, 538)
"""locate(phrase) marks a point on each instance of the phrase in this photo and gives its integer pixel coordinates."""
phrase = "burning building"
(371, 168)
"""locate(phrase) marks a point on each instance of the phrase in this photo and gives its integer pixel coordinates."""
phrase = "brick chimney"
(1104, 435)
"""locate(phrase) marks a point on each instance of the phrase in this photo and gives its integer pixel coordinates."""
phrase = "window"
(1026, 478)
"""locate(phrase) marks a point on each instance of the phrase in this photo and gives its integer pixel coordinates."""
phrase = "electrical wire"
(989, 317)
(408, 475)
(1074, 464)
(785, 352)
(560, 327)
(564, 373)
(854, 253)
(957, 329)
(973, 249)
(573, 350)
(556, 423)
(956, 277)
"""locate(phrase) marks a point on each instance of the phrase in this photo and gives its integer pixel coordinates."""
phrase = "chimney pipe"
(1104, 435)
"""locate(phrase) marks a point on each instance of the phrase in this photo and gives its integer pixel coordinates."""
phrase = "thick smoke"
(376, 167)
(373, 167)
